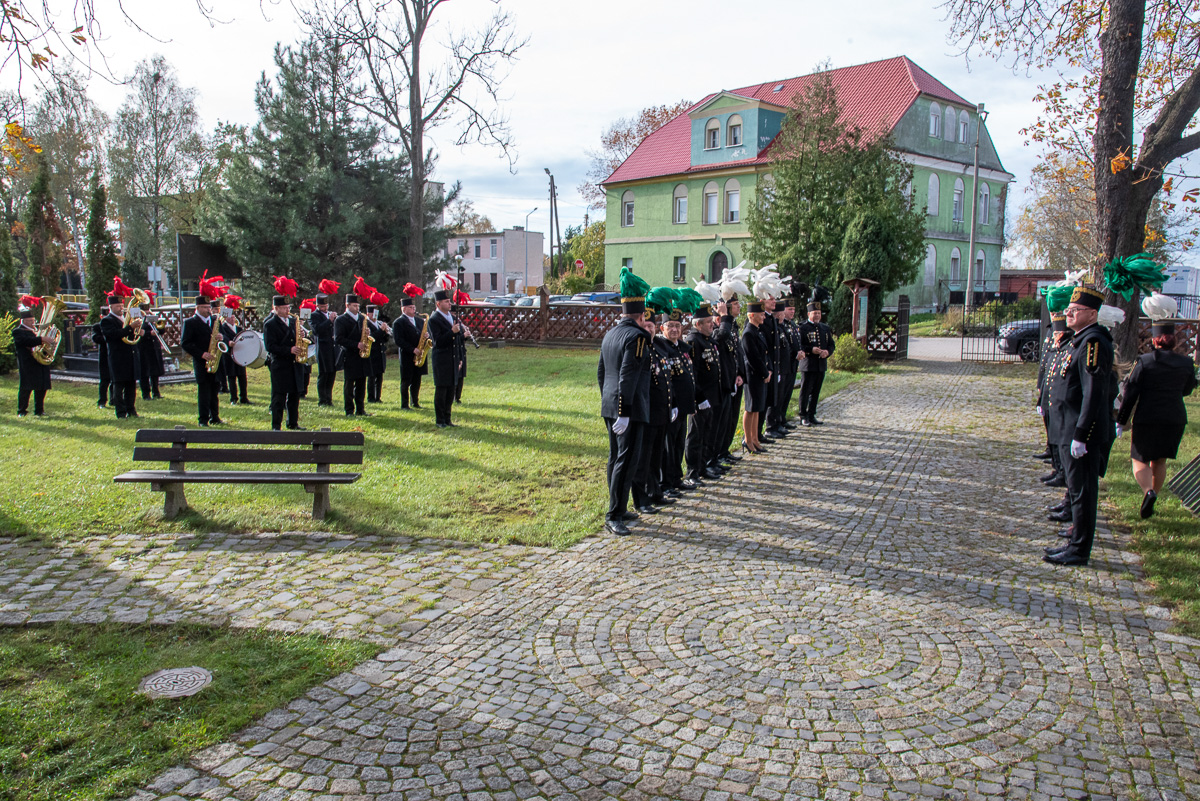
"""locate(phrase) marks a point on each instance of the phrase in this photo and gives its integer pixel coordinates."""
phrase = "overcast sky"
(585, 65)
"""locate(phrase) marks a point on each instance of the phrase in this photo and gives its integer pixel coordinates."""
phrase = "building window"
(979, 268)
(950, 126)
(712, 135)
(964, 125)
(733, 200)
(627, 263)
(478, 248)
(478, 281)
(734, 137)
(985, 203)
(493, 251)
(627, 209)
(958, 200)
(680, 274)
(935, 189)
(935, 120)
(679, 213)
(955, 266)
(712, 214)
(495, 281)
(930, 265)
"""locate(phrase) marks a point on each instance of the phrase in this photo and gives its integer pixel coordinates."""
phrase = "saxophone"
(366, 338)
(425, 343)
(215, 346)
(302, 341)
(45, 353)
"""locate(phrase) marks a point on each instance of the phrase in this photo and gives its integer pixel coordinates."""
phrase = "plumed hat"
(633, 292)
(1129, 274)
(286, 286)
(328, 287)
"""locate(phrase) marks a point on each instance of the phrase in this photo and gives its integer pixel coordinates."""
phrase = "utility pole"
(555, 232)
(970, 296)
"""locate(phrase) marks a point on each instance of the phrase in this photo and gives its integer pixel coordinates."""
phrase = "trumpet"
(46, 352)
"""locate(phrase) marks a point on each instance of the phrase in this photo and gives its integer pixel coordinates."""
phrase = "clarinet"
(467, 331)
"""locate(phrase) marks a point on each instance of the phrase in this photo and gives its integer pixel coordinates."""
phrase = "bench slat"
(236, 477)
(210, 437)
(232, 456)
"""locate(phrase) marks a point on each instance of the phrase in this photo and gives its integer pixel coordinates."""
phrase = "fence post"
(543, 313)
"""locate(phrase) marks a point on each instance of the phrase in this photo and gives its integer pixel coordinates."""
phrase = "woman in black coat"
(758, 369)
(1157, 385)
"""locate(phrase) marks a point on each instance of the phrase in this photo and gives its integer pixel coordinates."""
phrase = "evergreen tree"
(879, 247)
(44, 235)
(101, 251)
(8, 271)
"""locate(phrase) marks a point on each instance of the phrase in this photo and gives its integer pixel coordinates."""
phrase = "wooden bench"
(175, 447)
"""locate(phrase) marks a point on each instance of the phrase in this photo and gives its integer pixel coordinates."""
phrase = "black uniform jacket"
(195, 339)
(1082, 391)
(683, 378)
(149, 350)
(774, 339)
(1048, 372)
(407, 334)
(322, 328)
(662, 395)
(754, 346)
(624, 372)
(449, 350)
(726, 337)
(706, 360)
(1159, 381)
(33, 373)
(279, 337)
(378, 348)
(347, 333)
(815, 336)
(124, 363)
(101, 346)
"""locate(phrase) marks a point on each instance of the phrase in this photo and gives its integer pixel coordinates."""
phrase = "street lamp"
(970, 298)
(458, 261)
(526, 286)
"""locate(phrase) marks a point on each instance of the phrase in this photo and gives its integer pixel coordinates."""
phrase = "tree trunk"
(1120, 224)
(416, 157)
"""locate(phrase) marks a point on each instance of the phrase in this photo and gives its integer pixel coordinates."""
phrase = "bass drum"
(248, 350)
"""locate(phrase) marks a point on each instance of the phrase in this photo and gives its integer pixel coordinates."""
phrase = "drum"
(248, 350)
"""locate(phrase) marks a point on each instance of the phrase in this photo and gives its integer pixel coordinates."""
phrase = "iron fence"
(981, 340)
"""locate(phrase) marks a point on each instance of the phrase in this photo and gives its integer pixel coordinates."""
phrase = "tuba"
(425, 343)
(136, 299)
(46, 353)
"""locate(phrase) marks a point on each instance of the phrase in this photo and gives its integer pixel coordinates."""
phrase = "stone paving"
(861, 613)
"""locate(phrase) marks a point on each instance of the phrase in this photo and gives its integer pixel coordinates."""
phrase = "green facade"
(655, 242)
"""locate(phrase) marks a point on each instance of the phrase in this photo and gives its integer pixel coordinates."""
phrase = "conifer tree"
(102, 261)
(44, 241)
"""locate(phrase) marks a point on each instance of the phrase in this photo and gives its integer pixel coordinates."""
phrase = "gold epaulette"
(1093, 353)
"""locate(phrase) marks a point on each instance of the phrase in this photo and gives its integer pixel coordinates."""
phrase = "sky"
(585, 65)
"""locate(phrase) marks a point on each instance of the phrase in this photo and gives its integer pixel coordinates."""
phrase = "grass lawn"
(72, 725)
(929, 324)
(526, 466)
(1169, 542)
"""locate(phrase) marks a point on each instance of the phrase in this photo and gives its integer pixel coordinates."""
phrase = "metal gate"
(990, 333)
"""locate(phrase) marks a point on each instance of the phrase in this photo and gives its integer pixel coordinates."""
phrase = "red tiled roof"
(873, 96)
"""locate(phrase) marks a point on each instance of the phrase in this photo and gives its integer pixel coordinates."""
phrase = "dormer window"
(935, 121)
(712, 135)
(734, 137)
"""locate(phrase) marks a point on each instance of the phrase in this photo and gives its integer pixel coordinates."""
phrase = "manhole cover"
(176, 682)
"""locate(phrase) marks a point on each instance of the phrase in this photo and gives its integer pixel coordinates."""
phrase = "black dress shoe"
(416, 406)
(804, 421)
(647, 509)
(789, 426)
(1067, 532)
(1148, 503)
(673, 494)
(216, 422)
(297, 428)
(630, 515)
(732, 458)
(663, 500)
(363, 414)
(1049, 476)
(687, 484)
(711, 474)
(452, 425)
(1055, 549)
(617, 527)
(1043, 455)
(441, 425)
(404, 406)
(766, 440)
(815, 421)
(778, 433)
(1058, 481)
(1060, 517)
(204, 425)
(1066, 559)
(1058, 507)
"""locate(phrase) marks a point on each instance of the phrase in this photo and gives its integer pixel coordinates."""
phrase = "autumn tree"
(44, 235)
(410, 92)
(1129, 69)
(463, 219)
(618, 143)
(587, 245)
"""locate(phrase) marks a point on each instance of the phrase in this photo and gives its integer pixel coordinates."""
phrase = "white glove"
(1039, 411)
(620, 425)
(705, 405)
(1078, 449)
(1120, 430)
(674, 414)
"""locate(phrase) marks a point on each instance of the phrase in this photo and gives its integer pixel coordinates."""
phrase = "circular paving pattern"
(742, 652)
(175, 682)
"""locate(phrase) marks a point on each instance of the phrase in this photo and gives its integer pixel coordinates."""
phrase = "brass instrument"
(304, 342)
(215, 345)
(134, 301)
(425, 344)
(366, 338)
(45, 353)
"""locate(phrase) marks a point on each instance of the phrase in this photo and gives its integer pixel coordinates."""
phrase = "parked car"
(535, 301)
(596, 297)
(1021, 338)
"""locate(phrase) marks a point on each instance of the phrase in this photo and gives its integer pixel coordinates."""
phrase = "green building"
(676, 206)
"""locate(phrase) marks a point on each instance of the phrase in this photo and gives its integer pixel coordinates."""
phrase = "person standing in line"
(106, 386)
(356, 366)
(683, 395)
(321, 324)
(647, 486)
(1053, 414)
(448, 354)
(1156, 388)
(287, 373)
(123, 360)
(235, 374)
(728, 339)
(407, 332)
(382, 334)
(706, 362)
(34, 377)
(196, 341)
(818, 347)
(758, 376)
(150, 352)
(624, 377)
(769, 423)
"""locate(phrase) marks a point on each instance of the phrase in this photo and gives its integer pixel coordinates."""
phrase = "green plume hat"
(662, 299)
(689, 300)
(1131, 273)
(633, 292)
(1057, 297)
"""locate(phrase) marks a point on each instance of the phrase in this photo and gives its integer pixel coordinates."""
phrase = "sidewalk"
(862, 612)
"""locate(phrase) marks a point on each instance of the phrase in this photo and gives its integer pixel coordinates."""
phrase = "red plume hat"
(286, 286)
(328, 287)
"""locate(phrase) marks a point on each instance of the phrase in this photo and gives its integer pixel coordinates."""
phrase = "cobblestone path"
(861, 613)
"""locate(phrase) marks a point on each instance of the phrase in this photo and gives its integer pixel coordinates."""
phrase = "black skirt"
(1155, 441)
(756, 396)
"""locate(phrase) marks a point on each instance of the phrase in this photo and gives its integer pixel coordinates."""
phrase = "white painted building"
(500, 262)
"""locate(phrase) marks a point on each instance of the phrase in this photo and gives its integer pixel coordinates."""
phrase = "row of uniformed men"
(671, 401)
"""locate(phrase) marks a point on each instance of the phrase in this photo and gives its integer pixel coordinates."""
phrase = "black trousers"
(39, 399)
(714, 441)
(810, 392)
(648, 478)
(208, 396)
(695, 449)
(236, 378)
(623, 453)
(458, 389)
(285, 395)
(674, 447)
(789, 389)
(354, 393)
(149, 385)
(443, 401)
(304, 382)
(125, 397)
(732, 416)
(410, 389)
(375, 388)
(772, 386)
(106, 386)
(1083, 490)
(325, 382)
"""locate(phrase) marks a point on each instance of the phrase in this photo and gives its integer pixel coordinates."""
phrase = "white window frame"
(957, 211)
(627, 216)
(711, 213)
(935, 121)
(933, 203)
(679, 272)
(964, 126)
(951, 124)
(712, 127)
(980, 267)
(930, 265)
(733, 132)
(955, 265)
(679, 205)
(985, 203)
(493, 249)
(478, 248)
